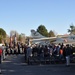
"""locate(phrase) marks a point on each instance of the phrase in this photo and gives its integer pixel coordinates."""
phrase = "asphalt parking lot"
(14, 65)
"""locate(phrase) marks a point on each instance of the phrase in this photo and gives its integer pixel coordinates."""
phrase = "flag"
(10, 41)
(15, 38)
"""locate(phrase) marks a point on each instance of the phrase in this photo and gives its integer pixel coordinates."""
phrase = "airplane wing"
(51, 38)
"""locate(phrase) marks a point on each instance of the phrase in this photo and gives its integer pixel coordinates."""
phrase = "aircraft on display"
(37, 38)
(69, 39)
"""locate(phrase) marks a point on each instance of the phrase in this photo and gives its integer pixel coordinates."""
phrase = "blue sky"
(24, 15)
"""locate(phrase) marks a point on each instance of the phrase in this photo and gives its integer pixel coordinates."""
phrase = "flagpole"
(10, 41)
(14, 39)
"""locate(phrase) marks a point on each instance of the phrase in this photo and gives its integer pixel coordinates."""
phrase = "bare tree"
(21, 38)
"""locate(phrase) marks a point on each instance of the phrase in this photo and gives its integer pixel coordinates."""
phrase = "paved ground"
(14, 65)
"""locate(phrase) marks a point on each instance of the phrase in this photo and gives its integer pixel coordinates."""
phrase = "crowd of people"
(61, 51)
(42, 51)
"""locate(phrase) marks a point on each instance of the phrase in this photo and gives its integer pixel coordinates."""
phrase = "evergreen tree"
(42, 30)
(72, 29)
(2, 34)
(51, 34)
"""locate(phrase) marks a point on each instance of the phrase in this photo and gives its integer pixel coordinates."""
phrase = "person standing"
(25, 51)
(68, 53)
(29, 54)
(0, 59)
(61, 54)
(3, 49)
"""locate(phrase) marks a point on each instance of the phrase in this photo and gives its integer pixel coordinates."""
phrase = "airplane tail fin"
(36, 34)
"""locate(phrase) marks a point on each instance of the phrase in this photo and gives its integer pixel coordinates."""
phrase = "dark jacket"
(68, 51)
